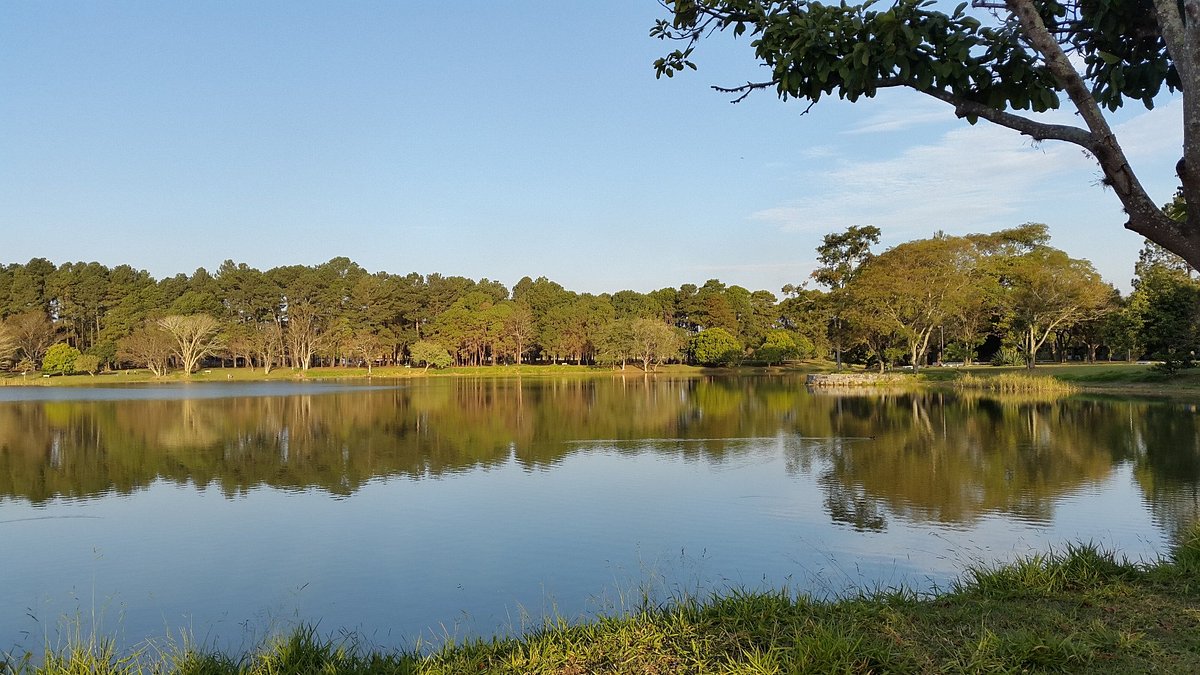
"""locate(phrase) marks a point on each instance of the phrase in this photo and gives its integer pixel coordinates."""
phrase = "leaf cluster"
(1123, 52)
(814, 49)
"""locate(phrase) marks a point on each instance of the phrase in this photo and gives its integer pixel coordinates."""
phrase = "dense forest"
(1008, 297)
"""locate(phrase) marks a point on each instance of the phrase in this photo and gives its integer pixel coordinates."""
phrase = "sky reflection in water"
(466, 507)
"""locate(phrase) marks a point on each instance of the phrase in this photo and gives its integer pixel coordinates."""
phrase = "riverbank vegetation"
(1016, 383)
(1007, 298)
(1080, 610)
(1129, 378)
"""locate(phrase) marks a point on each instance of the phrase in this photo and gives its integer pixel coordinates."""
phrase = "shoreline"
(1081, 609)
(1109, 379)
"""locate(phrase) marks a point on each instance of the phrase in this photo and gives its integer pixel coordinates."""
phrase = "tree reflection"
(922, 456)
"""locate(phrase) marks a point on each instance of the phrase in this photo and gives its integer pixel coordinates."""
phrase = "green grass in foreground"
(1079, 610)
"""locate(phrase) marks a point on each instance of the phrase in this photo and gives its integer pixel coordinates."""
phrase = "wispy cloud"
(969, 176)
(1154, 132)
(747, 267)
(814, 152)
(904, 114)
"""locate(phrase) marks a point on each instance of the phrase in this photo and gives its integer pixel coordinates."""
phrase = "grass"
(1119, 378)
(1081, 610)
(1116, 378)
(1016, 383)
(393, 372)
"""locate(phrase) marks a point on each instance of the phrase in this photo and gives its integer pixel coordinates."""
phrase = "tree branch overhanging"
(1038, 131)
(1170, 25)
(1145, 217)
(1119, 52)
(745, 89)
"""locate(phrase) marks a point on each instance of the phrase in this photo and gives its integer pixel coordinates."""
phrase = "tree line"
(1007, 296)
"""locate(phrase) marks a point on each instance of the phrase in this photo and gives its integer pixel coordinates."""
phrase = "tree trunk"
(1145, 217)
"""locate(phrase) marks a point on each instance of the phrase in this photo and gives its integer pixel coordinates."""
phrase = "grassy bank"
(1134, 379)
(1114, 378)
(1016, 383)
(394, 372)
(1127, 377)
(1079, 610)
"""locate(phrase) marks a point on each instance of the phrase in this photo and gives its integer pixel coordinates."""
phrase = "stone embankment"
(853, 379)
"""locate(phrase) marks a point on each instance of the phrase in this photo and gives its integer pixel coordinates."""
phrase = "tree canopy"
(916, 287)
(920, 302)
(1005, 64)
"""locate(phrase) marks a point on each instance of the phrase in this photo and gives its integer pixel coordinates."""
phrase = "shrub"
(1008, 356)
(60, 358)
(428, 353)
(715, 347)
(87, 363)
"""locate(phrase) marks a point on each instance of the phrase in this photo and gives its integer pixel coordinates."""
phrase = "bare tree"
(654, 342)
(304, 334)
(149, 346)
(8, 347)
(34, 333)
(518, 331)
(366, 345)
(268, 345)
(196, 336)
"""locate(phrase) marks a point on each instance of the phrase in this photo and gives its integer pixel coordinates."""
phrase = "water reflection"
(412, 507)
(919, 456)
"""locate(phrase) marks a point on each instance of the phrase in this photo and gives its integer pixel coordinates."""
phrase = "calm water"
(461, 507)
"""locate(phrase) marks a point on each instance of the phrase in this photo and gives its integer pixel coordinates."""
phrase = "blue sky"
(489, 140)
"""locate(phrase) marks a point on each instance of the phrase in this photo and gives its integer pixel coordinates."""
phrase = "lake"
(416, 511)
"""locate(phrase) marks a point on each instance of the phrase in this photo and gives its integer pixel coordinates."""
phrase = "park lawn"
(1108, 377)
(1136, 379)
(392, 372)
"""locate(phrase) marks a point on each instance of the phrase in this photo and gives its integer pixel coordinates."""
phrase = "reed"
(1015, 383)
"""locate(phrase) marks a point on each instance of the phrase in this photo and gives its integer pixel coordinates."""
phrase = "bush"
(1008, 356)
(87, 363)
(715, 347)
(1173, 363)
(428, 353)
(105, 352)
(60, 358)
(778, 346)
